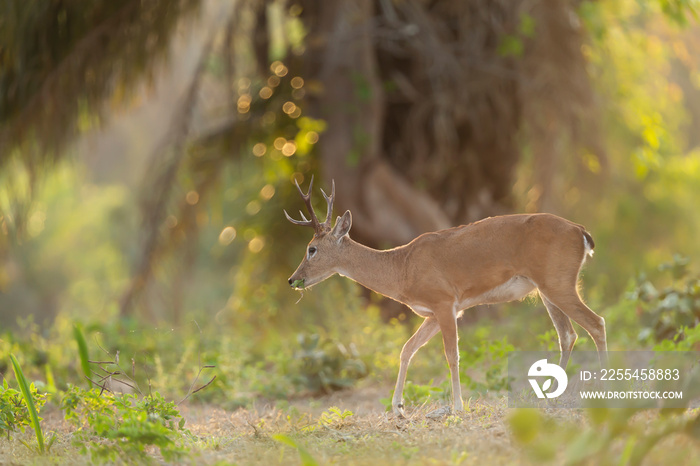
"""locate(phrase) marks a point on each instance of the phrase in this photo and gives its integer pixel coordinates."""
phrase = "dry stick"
(190, 392)
(205, 385)
(109, 375)
(133, 385)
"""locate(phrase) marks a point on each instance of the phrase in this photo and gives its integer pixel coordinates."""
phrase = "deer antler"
(329, 212)
(317, 226)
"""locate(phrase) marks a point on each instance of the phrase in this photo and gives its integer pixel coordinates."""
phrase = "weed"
(685, 340)
(491, 356)
(548, 340)
(82, 351)
(488, 358)
(407, 452)
(326, 365)
(599, 441)
(417, 395)
(110, 426)
(14, 414)
(664, 312)
(332, 418)
(306, 458)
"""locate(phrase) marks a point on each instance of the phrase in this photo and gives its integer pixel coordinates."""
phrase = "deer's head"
(325, 250)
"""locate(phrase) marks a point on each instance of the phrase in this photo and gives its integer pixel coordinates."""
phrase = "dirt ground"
(369, 435)
(348, 428)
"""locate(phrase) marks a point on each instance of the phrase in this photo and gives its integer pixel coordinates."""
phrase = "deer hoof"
(399, 411)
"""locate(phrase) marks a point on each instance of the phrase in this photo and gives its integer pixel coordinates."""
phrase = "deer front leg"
(425, 332)
(448, 327)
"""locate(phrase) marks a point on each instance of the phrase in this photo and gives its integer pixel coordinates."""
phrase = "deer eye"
(312, 251)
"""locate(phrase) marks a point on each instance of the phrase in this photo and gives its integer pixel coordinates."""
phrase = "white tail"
(439, 275)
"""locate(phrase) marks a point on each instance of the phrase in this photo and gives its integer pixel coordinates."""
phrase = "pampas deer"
(440, 274)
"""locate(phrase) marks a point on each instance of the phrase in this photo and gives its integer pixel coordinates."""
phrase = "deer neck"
(380, 271)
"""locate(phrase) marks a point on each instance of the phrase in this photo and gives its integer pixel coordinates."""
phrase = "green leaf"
(527, 25)
(306, 458)
(585, 446)
(29, 399)
(82, 351)
(525, 425)
(511, 46)
(598, 415)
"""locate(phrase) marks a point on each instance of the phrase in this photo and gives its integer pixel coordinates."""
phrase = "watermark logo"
(629, 379)
(542, 368)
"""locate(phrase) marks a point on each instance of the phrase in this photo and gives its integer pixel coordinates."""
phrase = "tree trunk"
(387, 209)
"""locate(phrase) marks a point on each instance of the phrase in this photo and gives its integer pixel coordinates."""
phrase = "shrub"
(113, 427)
(325, 365)
(14, 414)
(663, 312)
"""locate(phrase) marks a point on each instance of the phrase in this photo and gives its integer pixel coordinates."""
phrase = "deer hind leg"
(428, 329)
(569, 302)
(565, 331)
(448, 327)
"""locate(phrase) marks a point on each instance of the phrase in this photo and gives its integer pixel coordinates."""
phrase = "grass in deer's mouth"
(299, 285)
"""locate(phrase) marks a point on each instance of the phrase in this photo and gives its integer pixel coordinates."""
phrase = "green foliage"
(513, 44)
(483, 368)
(29, 395)
(609, 436)
(671, 312)
(418, 395)
(14, 414)
(41, 38)
(73, 253)
(686, 339)
(641, 201)
(489, 357)
(333, 418)
(123, 427)
(679, 10)
(548, 340)
(307, 458)
(325, 364)
(82, 351)
(525, 424)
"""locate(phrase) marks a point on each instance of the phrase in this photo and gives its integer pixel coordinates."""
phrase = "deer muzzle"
(295, 283)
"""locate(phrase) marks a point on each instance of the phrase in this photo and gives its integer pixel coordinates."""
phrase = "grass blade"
(82, 351)
(306, 458)
(24, 388)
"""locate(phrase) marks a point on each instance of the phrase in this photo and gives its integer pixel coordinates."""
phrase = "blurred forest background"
(148, 148)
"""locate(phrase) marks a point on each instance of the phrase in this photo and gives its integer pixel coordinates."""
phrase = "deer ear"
(342, 225)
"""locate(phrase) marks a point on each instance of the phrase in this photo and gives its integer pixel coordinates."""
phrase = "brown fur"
(439, 274)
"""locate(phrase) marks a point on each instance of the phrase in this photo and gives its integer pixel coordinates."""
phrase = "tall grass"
(82, 351)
